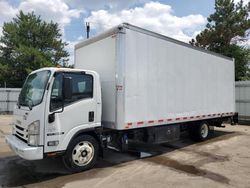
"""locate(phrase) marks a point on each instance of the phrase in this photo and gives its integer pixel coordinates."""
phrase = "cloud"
(70, 48)
(153, 16)
(55, 10)
(7, 12)
(111, 5)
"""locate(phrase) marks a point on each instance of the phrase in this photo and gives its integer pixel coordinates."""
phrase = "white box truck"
(129, 85)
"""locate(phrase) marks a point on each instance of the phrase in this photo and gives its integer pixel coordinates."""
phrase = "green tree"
(29, 43)
(227, 28)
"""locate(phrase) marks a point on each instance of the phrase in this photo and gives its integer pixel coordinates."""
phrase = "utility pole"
(87, 29)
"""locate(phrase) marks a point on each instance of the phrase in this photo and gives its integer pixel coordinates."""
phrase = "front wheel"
(82, 153)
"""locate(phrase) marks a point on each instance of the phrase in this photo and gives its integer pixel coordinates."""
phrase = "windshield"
(33, 89)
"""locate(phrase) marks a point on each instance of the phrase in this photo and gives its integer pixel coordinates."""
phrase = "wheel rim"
(83, 153)
(204, 130)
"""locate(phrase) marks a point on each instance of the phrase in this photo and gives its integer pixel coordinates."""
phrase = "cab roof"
(56, 69)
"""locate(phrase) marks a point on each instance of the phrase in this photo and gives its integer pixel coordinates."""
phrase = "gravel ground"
(221, 161)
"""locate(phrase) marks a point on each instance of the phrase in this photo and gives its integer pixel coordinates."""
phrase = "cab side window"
(82, 88)
(56, 98)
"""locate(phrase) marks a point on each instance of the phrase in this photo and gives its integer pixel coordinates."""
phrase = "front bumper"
(23, 150)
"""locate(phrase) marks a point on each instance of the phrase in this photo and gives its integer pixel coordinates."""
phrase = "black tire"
(200, 132)
(76, 148)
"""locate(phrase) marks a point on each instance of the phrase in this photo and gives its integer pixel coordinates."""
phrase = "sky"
(179, 19)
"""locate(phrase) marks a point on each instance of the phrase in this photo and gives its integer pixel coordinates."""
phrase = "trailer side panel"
(166, 82)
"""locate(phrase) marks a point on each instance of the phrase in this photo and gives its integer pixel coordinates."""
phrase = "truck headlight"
(34, 133)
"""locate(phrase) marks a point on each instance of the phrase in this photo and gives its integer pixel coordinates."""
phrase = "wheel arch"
(194, 130)
(73, 157)
(94, 132)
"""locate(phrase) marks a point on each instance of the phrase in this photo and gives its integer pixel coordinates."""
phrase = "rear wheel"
(81, 154)
(200, 132)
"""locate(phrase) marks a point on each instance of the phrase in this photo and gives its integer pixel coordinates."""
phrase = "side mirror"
(67, 87)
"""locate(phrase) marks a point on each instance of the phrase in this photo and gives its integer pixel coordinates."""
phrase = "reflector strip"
(154, 122)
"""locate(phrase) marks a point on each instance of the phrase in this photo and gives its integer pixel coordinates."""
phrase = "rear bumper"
(23, 150)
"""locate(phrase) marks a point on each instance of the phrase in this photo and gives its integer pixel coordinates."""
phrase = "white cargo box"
(149, 79)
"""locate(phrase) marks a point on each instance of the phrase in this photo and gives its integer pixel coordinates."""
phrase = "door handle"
(91, 116)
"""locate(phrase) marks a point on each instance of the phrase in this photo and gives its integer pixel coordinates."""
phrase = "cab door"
(67, 116)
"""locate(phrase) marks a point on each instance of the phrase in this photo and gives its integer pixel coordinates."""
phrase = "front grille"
(21, 133)
(20, 128)
(19, 137)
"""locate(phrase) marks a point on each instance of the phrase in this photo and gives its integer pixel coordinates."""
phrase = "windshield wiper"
(30, 102)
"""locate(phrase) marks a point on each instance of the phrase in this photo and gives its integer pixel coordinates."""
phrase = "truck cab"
(54, 107)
